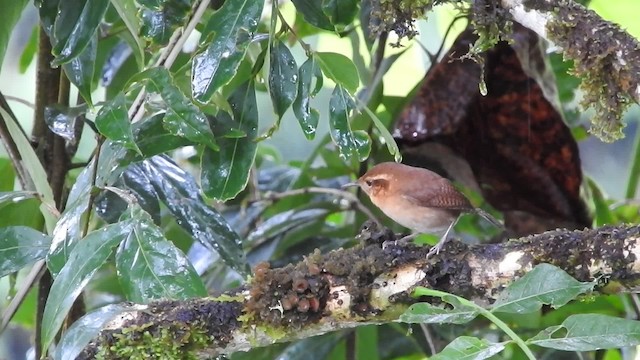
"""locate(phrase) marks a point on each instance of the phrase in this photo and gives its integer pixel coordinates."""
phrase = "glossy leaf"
(61, 120)
(34, 168)
(160, 20)
(113, 122)
(181, 194)
(11, 12)
(150, 267)
(127, 11)
(153, 139)
(340, 107)
(15, 196)
(340, 12)
(75, 27)
(339, 68)
(469, 348)
(587, 332)
(226, 172)
(228, 33)
(429, 314)
(21, 246)
(313, 14)
(80, 69)
(545, 284)
(283, 77)
(68, 230)
(307, 116)
(363, 144)
(86, 329)
(85, 259)
(183, 118)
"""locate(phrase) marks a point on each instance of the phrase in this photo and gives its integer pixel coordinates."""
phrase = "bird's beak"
(351, 184)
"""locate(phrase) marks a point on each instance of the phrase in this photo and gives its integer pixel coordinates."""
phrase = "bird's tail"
(489, 218)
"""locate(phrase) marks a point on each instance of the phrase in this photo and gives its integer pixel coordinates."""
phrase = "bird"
(418, 199)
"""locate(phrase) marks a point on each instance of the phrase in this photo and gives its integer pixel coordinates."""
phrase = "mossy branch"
(361, 285)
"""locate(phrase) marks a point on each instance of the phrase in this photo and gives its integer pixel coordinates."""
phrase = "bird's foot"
(402, 241)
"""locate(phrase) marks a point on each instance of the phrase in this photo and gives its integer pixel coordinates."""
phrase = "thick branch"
(607, 59)
(361, 285)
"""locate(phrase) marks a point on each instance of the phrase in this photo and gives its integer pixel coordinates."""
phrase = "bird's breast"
(417, 218)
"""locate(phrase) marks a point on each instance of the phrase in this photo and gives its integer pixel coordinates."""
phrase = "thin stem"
(486, 313)
(634, 174)
(94, 177)
(429, 338)
(307, 49)
(270, 196)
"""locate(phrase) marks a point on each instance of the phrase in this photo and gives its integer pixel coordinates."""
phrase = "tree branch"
(606, 58)
(365, 284)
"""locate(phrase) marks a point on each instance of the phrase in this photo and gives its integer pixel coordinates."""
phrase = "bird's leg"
(435, 250)
(402, 241)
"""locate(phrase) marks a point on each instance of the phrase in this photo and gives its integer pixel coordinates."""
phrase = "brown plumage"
(417, 198)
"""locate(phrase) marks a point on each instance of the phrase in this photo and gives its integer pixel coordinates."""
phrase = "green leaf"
(545, 284)
(113, 122)
(588, 332)
(86, 329)
(226, 172)
(153, 139)
(181, 194)
(150, 267)
(183, 118)
(429, 314)
(313, 14)
(339, 68)
(392, 146)
(85, 259)
(160, 20)
(468, 348)
(14, 196)
(80, 69)
(61, 119)
(307, 116)
(75, 27)
(21, 246)
(228, 33)
(30, 49)
(340, 12)
(603, 214)
(7, 175)
(34, 168)
(11, 12)
(283, 77)
(340, 107)
(127, 11)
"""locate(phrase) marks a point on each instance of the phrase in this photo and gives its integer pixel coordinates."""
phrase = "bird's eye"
(369, 182)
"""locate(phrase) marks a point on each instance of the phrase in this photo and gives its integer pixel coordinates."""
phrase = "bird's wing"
(439, 195)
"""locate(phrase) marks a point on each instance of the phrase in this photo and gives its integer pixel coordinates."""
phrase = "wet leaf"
(339, 68)
(80, 70)
(340, 12)
(150, 267)
(307, 116)
(15, 196)
(127, 11)
(283, 77)
(544, 285)
(313, 14)
(85, 259)
(181, 194)
(430, 314)
(228, 31)
(469, 348)
(75, 27)
(86, 329)
(11, 12)
(226, 172)
(113, 122)
(340, 107)
(160, 20)
(34, 168)
(153, 139)
(68, 230)
(588, 332)
(183, 118)
(21, 246)
(61, 120)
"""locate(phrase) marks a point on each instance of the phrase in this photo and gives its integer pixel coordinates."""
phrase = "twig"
(21, 101)
(169, 55)
(94, 177)
(305, 46)
(429, 338)
(272, 196)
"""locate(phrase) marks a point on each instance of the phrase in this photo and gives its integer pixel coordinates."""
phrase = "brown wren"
(418, 199)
